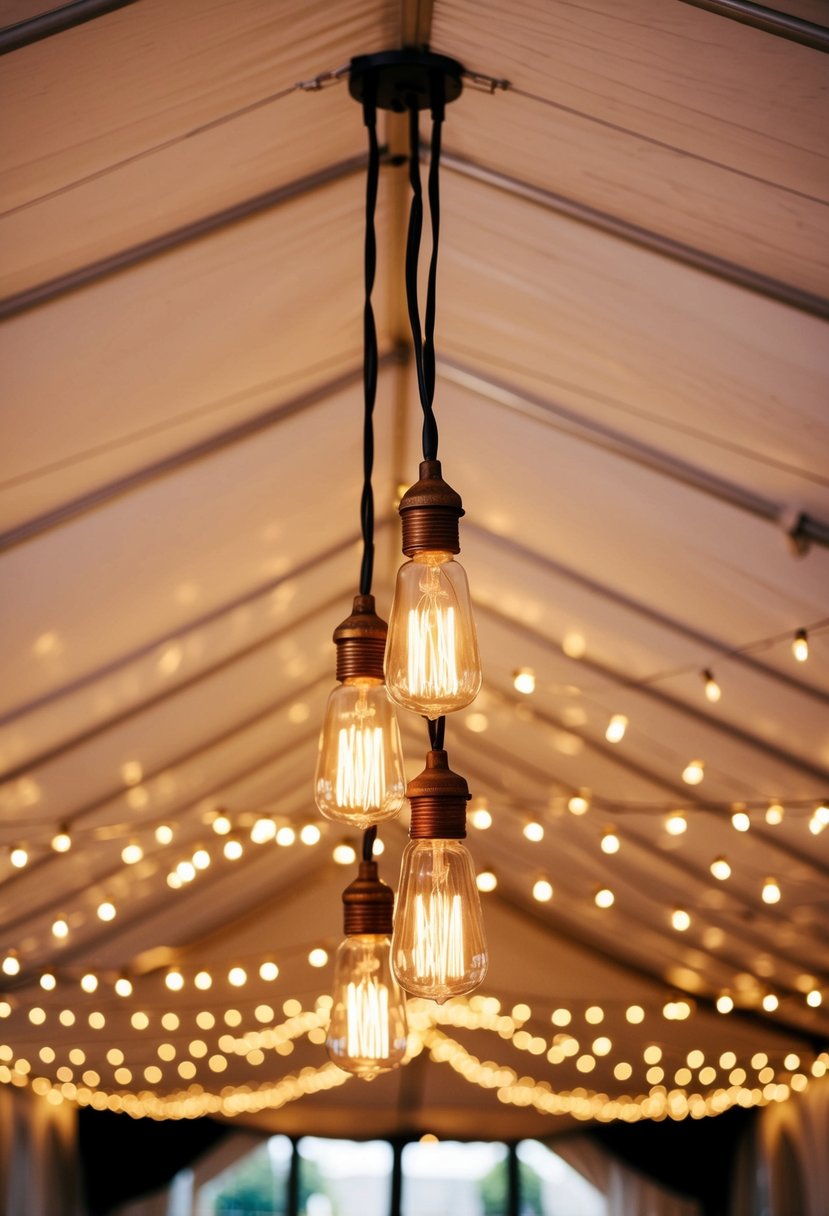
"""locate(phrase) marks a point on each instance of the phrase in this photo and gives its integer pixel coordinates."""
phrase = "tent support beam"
(35, 29)
(606, 592)
(720, 726)
(769, 20)
(175, 238)
(644, 238)
(801, 529)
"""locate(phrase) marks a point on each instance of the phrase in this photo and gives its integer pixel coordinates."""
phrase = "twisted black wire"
(369, 836)
(437, 728)
(369, 347)
(431, 291)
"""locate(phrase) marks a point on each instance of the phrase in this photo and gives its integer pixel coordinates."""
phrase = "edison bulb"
(438, 944)
(432, 662)
(367, 1032)
(359, 778)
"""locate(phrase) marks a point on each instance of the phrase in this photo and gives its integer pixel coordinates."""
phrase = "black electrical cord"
(369, 346)
(437, 729)
(424, 354)
(369, 836)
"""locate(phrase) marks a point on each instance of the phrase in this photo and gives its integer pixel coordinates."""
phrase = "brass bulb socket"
(368, 904)
(429, 513)
(438, 799)
(361, 642)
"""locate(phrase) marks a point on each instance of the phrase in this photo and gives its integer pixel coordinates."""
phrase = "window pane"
(344, 1178)
(551, 1187)
(255, 1185)
(451, 1179)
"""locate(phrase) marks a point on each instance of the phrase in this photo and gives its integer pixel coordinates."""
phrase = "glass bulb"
(367, 1032)
(360, 778)
(432, 661)
(438, 944)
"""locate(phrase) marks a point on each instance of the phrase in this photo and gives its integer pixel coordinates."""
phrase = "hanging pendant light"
(367, 1033)
(359, 778)
(438, 945)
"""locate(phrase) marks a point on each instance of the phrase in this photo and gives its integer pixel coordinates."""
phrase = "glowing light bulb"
(713, 692)
(800, 646)
(771, 891)
(610, 842)
(616, 728)
(367, 1032)
(774, 813)
(432, 662)
(359, 778)
(60, 927)
(720, 868)
(479, 814)
(724, 1003)
(221, 825)
(263, 830)
(131, 853)
(11, 964)
(676, 823)
(740, 821)
(233, 849)
(693, 772)
(438, 945)
(62, 841)
(579, 803)
(164, 833)
(486, 881)
(542, 890)
(123, 986)
(344, 853)
(48, 981)
(174, 980)
(604, 898)
(534, 831)
(680, 919)
(523, 680)
(19, 857)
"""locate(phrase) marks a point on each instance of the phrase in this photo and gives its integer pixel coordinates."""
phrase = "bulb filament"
(433, 667)
(361, 768)
(367, 1015)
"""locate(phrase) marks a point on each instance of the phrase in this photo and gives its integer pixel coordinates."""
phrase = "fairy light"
(610, 842)
(233, 849)
(203, 980)
(344, 854)
(604, 898)
(680, 919)
(237, 976)
(542, 890)
(48, 981)
(771, 891)
(310, 834)
(616, 728)
(285, 836)
(221, 825)
(123, 986)
(164, 834)
(770, 1002)
(800, 645)
(523, 680)
(11, 964)
(268, 971)
(486, 881)
(61, 842)
(106, 911)
(579, 803)
(60, 928)
(774, 813)
(740, 820)
(174, 980)
(814, 999)
(19, 856)
(132, 853)
(720, 869)
(713, 692)
(318, 957)
(263, 830)
(201, 859)
(533, 831)
(479, 814)
(89, 983)
(676, 823)
(693, 772)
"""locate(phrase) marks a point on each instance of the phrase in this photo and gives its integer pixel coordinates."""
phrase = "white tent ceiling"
(632, 365)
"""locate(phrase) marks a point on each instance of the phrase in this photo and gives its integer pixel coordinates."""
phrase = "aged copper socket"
(429, 512)
(438, 800)
(368, 903)
(361, 641)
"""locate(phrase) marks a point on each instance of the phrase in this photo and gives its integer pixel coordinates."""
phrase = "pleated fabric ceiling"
(633, 297)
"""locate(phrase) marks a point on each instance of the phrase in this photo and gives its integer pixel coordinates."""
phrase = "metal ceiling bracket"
(397, 80)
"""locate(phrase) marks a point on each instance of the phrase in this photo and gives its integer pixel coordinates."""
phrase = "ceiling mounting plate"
(401, 79)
